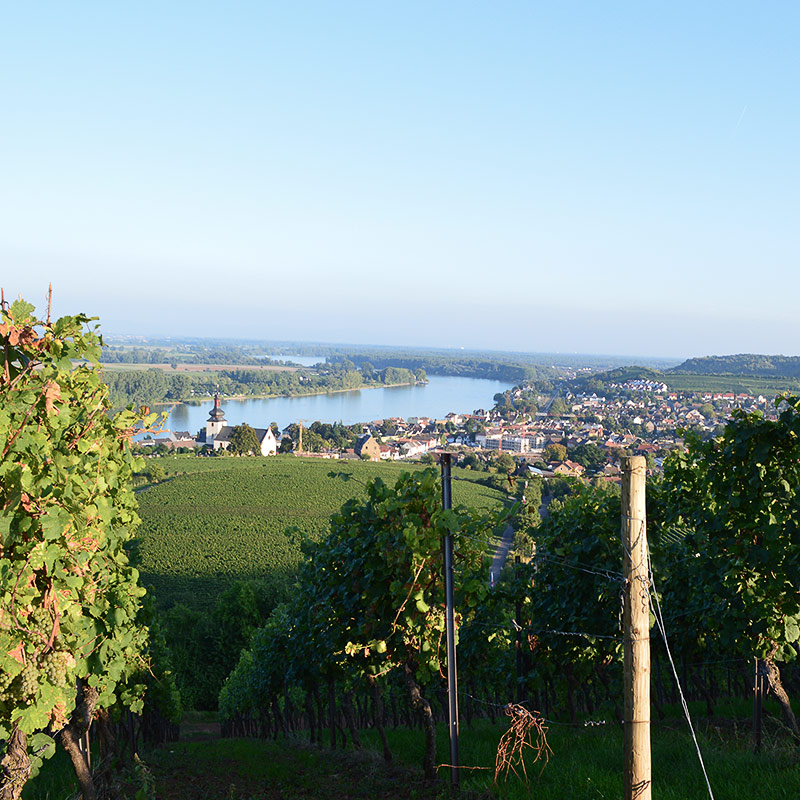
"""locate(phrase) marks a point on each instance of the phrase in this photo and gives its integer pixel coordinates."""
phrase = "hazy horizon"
(119, 338)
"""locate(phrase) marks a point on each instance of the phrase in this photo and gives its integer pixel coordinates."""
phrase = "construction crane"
(300, 436)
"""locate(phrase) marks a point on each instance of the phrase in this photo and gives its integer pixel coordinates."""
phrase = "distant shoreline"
(288, 396)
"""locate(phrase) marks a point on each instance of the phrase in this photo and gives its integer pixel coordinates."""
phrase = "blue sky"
(592, 177)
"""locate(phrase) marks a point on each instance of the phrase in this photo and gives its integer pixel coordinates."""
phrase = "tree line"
(152, 386)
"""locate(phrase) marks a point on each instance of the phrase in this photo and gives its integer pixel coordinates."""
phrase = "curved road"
(543, 412)
(501, 554)
(507, 542)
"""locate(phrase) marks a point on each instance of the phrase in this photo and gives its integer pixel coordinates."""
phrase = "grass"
(239, 769)
(221, 519)
(55, 781)
(586, 764)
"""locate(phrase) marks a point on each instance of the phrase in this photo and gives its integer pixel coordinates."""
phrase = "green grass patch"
(586, 764)
(216, 520)
(55, 781)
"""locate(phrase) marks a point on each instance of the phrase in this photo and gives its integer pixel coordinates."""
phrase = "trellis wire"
(647, 581)
(659, 617)
(587, 723)
(529, 629)
(544, 556)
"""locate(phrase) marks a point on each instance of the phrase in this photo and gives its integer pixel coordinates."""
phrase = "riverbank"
(240, 397)
(434, 399)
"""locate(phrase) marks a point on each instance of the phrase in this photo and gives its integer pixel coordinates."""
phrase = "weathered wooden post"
(636, 621)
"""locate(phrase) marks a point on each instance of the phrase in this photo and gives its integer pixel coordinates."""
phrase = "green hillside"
(743, 364)
(752, 374)
(217, 520)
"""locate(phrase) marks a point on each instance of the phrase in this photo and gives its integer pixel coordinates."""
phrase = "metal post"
(518, 638)
(758, 705)
(452, 671)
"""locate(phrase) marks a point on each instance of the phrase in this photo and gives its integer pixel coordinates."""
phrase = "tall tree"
(554, 452)
(589, 455)
(244, 441)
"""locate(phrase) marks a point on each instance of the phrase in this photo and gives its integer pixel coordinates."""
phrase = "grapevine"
(68, 597)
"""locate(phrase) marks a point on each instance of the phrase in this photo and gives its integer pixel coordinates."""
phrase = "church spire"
(217, 414)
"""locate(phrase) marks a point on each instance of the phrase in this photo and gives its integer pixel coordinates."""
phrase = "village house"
(172, 440)
(567, 468)
(389, 452)
(412, 448)
(367, 447)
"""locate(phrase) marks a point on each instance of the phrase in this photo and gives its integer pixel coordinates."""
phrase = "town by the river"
(440, 396)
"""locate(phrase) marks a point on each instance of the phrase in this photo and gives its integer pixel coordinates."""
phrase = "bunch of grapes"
(41, 620)
(56, 665)
(29, 680)
(5, 686)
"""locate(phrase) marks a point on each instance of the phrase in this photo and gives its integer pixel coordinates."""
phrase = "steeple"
(215, 422)
(217, 414)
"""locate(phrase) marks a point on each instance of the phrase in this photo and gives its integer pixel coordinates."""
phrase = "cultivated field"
(216, 520)
(769, 387)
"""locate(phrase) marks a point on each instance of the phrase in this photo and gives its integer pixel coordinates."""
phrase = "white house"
(217, 433)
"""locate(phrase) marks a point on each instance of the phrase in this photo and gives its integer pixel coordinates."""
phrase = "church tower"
(215, 422)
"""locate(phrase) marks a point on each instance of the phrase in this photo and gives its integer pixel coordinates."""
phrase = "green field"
(769, 387)
(217, 520)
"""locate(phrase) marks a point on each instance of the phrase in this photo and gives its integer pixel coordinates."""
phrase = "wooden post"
(638, 776)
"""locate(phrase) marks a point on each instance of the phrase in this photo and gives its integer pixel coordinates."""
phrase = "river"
(441, 395)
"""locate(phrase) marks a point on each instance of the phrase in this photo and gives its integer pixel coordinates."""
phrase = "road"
(501, 554)
(507, 542)
(545, 410)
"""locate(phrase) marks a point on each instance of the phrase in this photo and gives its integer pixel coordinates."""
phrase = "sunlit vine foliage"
(68, 597)
(371, 597)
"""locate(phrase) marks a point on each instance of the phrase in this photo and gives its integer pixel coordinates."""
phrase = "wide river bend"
(435, 399)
